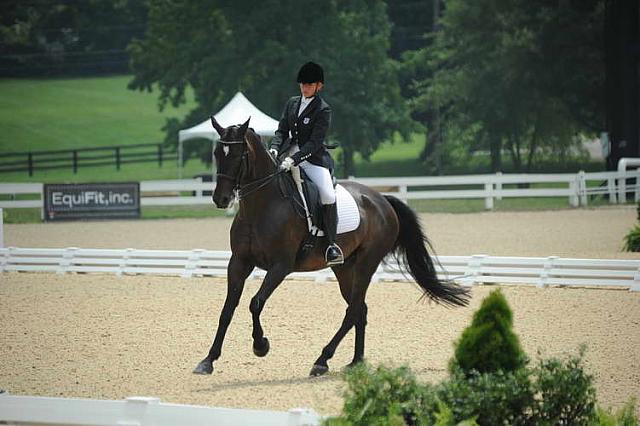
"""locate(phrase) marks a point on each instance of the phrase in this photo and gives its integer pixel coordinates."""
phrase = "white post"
(546, 268)
(611, 188)
(582, 188)
(622, 168)
(199, 191)
(473, 272)
(635, 285)
(402, 193)
(498, 185)
(573, 198)
(488, 196)
(179, 159)
(1, 229)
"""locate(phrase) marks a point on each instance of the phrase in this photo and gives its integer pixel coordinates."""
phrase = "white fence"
(139, 411)
(576, 188)
(467, 270)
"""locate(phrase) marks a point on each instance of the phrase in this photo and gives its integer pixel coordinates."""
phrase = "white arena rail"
(575, 187)
(139, 411)
(467, 270)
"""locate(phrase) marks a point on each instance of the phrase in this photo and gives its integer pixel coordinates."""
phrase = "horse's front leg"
(237, 272)
(272, 280)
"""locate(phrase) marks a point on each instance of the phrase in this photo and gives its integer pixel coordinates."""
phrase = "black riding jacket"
(308, 131)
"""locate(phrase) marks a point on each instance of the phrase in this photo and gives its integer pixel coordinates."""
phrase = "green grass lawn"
(78, 113)
(93, 112)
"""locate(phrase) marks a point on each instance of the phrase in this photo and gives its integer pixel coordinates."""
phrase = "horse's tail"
(411, 252)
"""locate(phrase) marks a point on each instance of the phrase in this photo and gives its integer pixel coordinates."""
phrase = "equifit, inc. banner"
(92, 201)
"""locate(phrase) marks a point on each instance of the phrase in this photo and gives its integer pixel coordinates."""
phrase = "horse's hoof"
(318, 370)
(205, 367)
(261, 351)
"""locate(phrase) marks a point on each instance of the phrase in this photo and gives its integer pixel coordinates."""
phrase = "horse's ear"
(245, 126)
(217, 126)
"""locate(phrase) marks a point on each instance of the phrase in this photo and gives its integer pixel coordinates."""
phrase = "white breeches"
(321, 177)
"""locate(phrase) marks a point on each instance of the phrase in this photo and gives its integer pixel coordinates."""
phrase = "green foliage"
(381, 395)
(492, 398)
(52, 37)
(565, 392)
(626, 416)
(552, 392)
(489, 343)
(218, 48)
(494, 66)
(632, 239)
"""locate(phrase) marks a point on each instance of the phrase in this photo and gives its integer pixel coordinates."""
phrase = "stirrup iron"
(338, 260)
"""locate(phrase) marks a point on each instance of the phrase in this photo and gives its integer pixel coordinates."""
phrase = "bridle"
(243, 165)
(242, 191)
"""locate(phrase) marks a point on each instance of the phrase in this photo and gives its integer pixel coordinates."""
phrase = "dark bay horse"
(267, 233)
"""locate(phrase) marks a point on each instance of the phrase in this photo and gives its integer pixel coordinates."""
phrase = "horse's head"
(230, 155)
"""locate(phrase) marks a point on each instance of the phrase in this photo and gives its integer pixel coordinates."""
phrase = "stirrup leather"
(338, 260)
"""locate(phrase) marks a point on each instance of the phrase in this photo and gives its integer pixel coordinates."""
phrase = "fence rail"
(86, 157)
(577, 188)
(140, 411)
(467, 270)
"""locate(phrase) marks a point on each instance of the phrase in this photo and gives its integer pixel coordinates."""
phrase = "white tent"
(236, 111)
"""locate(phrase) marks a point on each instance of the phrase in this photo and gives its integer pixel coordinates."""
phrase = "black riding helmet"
(310, 73)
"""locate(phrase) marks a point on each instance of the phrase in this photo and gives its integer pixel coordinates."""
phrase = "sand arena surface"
(102, 336)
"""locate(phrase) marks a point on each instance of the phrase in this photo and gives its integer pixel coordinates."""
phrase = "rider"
(300, 135)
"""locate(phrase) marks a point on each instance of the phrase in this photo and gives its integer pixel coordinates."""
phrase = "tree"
(218, 47)
(526, 76)
(622, 44)
(68, 37)
(415, 30)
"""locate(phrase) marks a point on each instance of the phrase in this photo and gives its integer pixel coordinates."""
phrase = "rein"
(242, 191)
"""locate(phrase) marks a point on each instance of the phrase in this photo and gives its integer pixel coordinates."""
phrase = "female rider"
(301, 134)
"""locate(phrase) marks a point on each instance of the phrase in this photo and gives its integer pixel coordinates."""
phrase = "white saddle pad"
(348, 213)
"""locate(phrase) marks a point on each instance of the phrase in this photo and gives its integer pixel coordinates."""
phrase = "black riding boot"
(333, 255)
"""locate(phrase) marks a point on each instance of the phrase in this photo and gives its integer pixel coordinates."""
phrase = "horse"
(267, 233)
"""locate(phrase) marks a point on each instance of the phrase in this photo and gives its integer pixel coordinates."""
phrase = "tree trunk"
(496, 155)
(348, 168)
(622, 58)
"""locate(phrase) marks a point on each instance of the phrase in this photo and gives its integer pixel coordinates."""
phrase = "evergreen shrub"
(489, 343)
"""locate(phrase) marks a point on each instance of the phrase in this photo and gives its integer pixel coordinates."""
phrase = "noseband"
(242, 191)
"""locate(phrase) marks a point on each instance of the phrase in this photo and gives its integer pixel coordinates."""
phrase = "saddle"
(308, 205)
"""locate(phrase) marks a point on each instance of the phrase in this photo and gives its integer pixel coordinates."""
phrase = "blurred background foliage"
(518, 83)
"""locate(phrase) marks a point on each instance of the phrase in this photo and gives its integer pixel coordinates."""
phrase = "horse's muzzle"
(221, 202)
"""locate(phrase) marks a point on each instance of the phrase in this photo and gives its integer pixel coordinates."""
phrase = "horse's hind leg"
(354, 278)
(237, 273)
(354, 296)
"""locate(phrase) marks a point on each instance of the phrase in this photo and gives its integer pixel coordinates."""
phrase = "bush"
(624, 417)
(566, 393)
(552, 392)
(491, 398)
(383, 397)
(632, 239)
(489, 384)
(489, 343)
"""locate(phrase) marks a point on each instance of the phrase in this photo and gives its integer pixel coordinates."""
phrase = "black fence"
(75, 159)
